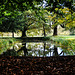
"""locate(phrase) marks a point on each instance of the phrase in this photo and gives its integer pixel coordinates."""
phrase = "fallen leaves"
(37, 65)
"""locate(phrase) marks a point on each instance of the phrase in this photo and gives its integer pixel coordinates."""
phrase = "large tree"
(51, 6)
(16, 5)
(11, 8)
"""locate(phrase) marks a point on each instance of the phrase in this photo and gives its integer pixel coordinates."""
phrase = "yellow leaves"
(68, 48)
(69, 25)
(49, 16)
(60, 9)
(74, 23)
(56, 9)
(73, 14)
(60, 20)
(66, 11)
(45, 11)
(1, 34)
(54, 15)
(29, 11)
(68, 16)
(58, 0)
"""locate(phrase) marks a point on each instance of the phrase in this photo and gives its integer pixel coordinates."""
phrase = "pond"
(36, 49)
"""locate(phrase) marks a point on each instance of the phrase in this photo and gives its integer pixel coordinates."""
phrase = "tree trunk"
(44, 31)
(55, 53)
(55, 31)
(24, 32)
(44, 49)
(25, 49)
(13, 34)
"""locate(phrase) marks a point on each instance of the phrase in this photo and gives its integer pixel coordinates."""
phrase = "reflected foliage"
(10, 52)
(41, 49)
(5, 44)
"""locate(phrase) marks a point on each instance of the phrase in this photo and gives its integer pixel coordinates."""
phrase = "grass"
(63, 37)
(66, 42)
(5, 44)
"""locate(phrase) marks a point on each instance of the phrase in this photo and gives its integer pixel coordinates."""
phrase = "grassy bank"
(5, 44)
(63, 37)
(66, 42)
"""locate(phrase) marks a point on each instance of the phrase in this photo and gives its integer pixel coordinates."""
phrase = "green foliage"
(67, 43)
(5, 44)
(10, 53)
(15, 15)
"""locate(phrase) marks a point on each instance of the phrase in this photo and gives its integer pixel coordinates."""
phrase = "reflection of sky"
(44, 3)
(60, 50)
(37, 49)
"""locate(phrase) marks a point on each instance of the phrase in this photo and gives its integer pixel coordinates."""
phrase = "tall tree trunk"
(55, 53)
(24, 32)
(25, 49)
(55, 31)
(44, 31)
(13, 34)
(44, 49)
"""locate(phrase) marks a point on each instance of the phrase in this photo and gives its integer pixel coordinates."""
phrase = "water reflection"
(10, 52)
(39, 49)
(55, 52)
(23, 50)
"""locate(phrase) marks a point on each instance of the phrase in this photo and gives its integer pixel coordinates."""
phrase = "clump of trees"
(46, 15)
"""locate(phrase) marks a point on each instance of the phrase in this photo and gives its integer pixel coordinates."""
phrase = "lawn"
(5, 44)
(66, 42)
(63, 37)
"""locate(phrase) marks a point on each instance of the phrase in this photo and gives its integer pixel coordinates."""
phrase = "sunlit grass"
(5, 44)
(64, 37)
(67, 43)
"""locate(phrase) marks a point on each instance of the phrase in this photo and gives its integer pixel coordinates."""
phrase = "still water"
(37, 49)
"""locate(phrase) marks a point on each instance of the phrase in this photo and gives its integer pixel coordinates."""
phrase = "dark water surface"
(39, 49)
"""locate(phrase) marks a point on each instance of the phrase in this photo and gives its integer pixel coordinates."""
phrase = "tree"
(13, 6)
(32, 18)
(10, 24)
(42, 15)
(52, 5)
(27, 20)
(11, 9)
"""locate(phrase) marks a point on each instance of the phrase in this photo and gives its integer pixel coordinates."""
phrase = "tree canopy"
(28, 14)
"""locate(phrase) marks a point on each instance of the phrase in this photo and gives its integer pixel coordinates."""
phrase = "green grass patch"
(64, 37)
(5, 44)
(67, 43)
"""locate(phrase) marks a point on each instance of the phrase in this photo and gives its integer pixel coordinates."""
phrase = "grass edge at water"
(67, 42)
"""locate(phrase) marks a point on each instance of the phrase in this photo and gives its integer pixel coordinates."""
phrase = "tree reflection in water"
(55, 53)
(10, 52)
(39, 49)
(25, 50)
(44, 49)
